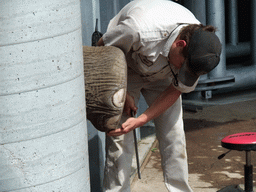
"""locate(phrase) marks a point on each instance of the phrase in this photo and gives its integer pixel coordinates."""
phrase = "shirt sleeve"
(123, 35)
(183, 88)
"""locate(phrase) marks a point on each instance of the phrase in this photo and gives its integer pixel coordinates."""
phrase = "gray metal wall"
(237, 67)
(90, 10)
(104, 10)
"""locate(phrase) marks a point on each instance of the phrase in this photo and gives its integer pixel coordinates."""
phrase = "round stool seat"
(241, 141)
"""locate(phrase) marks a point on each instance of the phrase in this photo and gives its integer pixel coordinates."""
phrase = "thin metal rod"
(137, 154)
(248, 158)
(233, 22)
(248, 173)
(136, 150)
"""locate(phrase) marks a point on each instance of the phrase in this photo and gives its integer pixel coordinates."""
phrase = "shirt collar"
(174, 34)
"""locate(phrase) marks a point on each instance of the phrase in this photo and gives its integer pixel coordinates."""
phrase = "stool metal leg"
(248, 174)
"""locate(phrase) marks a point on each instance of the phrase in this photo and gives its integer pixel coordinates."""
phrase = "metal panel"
(198, 8)
(253, 32)
(104, 10)
(236, 75)
(108, 9)
(90, 11)
(43, 137)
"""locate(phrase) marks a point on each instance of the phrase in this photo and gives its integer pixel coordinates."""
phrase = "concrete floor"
(204, 131)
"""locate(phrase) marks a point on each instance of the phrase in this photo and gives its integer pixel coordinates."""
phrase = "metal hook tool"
(136, 149)
(96, 35)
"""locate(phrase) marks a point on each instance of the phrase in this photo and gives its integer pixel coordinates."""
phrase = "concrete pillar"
(43, 145)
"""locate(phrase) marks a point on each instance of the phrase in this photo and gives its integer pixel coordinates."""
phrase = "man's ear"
(181, 43)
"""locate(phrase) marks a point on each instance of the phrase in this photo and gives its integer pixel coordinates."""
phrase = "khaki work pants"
(169, 132)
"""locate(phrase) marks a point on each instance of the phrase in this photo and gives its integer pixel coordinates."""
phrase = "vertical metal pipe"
(248, 173)
(233, 22)
(216, 17)
(43, 145)
(248, 157)
(253, 32)
(198, 8)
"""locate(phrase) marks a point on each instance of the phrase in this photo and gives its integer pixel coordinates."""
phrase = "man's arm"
(123, 35)
(164, 101)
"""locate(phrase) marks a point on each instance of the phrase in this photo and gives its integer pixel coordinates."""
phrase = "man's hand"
(129, 105)
(165, 100)
(129, 125)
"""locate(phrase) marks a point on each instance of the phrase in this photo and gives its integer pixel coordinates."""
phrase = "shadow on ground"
(204, 131)
(204, 147)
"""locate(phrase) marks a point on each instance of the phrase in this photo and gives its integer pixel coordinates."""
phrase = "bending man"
(167, 49)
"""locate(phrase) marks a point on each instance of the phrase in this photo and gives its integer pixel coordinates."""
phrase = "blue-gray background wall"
(103, 10)
(91, 10)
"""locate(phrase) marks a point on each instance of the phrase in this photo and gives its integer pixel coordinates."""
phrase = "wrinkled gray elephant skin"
(105, 73)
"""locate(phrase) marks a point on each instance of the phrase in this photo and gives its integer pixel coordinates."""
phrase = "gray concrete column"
(43, 135)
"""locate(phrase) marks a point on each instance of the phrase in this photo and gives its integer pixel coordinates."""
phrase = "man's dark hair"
(188, 31)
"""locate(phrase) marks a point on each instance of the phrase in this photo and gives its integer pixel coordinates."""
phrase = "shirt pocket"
(144, 60)
(157, 35)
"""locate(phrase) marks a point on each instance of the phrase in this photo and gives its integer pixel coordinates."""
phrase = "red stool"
(243, 142)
